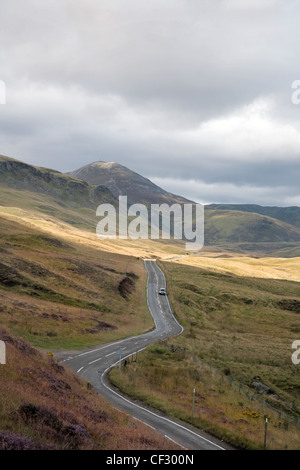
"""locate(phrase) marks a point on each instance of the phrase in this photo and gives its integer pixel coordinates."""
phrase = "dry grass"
(71, 234)
(242, 265)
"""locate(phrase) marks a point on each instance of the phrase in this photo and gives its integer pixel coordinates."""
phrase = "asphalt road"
(94, 364)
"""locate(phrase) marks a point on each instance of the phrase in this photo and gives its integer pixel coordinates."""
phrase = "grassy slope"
(66, 190)
(246, 266)
(239, 227)
(237, 330)
(76, 225)
(290, 215)
(62, 295)
(241, 323)
(252, 233)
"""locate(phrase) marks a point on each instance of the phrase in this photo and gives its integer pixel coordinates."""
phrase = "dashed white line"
(99, 358)
(110, 354)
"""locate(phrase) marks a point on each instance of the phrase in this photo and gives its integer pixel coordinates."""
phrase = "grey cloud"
(160, 87)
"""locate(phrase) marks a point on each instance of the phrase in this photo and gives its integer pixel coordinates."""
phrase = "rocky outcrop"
(263, 389)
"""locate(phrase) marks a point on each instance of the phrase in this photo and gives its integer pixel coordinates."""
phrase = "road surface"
(94, 364)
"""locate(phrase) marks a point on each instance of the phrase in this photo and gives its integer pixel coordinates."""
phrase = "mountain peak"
(122, 181)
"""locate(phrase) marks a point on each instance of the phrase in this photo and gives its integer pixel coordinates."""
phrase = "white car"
(162, 291)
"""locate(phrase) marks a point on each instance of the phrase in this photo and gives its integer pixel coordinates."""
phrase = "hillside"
(66, 190)
(246, 231)
(59, 294)
(290, 215)
(236, 227)
(45, 406)
(122, 181)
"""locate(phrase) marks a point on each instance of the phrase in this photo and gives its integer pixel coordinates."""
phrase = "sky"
(194, 94)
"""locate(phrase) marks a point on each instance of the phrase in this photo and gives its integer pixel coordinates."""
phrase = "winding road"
(94, 364)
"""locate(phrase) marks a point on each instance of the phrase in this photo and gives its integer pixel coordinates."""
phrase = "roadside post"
(193, 408)
(2, 353)
(265, 439)
(120, 352)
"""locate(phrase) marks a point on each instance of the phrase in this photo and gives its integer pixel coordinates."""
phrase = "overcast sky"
(193, 94)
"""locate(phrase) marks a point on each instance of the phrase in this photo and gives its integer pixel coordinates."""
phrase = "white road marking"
(99, 358)
(137, 419)
(170, 439)
(110, 354)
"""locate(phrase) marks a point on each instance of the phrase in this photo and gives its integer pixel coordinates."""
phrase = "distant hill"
(124, 182)
(290, 215)
(232, 226)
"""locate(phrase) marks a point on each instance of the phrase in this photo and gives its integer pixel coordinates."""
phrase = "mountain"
(73, 197)
(124, 182)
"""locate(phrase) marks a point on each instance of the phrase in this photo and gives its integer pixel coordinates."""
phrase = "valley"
(63, 290)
